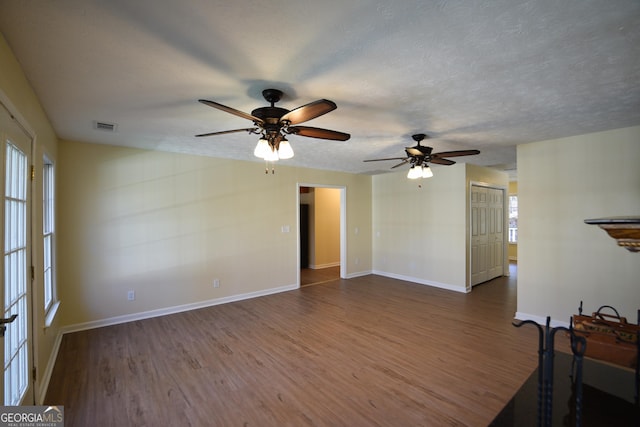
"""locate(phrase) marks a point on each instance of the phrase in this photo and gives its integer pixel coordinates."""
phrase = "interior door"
(17, 383)
(479, 235)
(495, 205)
(487, 233)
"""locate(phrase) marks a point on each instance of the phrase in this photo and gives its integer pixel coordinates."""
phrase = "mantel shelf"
(624, 229)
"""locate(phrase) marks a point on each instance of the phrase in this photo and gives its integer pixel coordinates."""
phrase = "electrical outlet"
(131, 295)
(216, 283)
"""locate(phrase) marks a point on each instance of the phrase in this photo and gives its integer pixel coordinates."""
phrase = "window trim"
(49, 288)
(512, 230)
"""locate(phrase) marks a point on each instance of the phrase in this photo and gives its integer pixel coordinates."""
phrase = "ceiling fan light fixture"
(272, 122)
(419, 156)
(414, 173)
(262, 148)
(272, 154)
(285, 151)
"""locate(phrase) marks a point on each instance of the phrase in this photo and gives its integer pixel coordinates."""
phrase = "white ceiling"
(471, 74)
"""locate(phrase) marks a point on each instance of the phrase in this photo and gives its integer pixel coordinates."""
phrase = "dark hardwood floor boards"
(369, 351)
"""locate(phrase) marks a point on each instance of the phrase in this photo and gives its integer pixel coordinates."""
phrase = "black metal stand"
(546, 339)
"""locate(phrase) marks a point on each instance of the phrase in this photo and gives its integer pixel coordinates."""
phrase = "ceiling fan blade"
(404, 162)
(390, 158)
(309, 111)
(442, 161)
(250, 130)
(456, 153)
(231, 110)
(318, 133)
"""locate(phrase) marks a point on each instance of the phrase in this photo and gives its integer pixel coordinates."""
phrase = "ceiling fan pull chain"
(266, 167)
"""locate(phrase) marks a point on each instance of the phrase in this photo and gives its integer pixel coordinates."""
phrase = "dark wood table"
(608, 397)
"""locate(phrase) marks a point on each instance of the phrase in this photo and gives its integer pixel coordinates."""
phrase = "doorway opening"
(321, 230)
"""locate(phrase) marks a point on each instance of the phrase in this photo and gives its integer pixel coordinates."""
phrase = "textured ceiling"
(482, 74)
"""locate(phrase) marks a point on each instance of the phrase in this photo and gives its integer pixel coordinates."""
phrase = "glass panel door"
(17, 388)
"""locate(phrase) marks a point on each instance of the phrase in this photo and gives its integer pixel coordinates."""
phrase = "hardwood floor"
(310, 276)
(369, 351)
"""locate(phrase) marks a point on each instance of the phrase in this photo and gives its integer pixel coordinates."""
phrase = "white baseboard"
(358, 274)
(540, 320)
(446, 286)
(321, 266)
(172, 310)
(46, 375)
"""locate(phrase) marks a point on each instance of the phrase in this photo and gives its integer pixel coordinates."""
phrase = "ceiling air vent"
(108, 127)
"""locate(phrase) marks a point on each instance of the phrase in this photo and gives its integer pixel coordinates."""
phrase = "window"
(513, 219)
(48, 236)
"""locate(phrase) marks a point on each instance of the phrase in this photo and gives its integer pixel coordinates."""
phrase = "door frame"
(343, 226)
(505, 221)
(29, 131)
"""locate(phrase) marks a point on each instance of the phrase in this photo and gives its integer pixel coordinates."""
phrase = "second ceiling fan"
(274, 123)
(419, 157)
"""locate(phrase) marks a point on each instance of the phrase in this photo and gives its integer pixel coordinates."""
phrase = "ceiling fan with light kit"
(419, 156)
(273, 124)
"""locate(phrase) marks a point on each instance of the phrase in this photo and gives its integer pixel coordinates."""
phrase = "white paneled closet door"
(495, 204)
(487, 233)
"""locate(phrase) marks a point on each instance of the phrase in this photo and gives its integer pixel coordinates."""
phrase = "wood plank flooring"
(369, 351)
(310, 276)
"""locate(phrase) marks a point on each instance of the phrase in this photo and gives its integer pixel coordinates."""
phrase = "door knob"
(4, 321)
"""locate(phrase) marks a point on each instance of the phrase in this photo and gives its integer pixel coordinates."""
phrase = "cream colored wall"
(327, 227)
(421, 227)
(166, 225)
(562, 260)
(17, 94)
